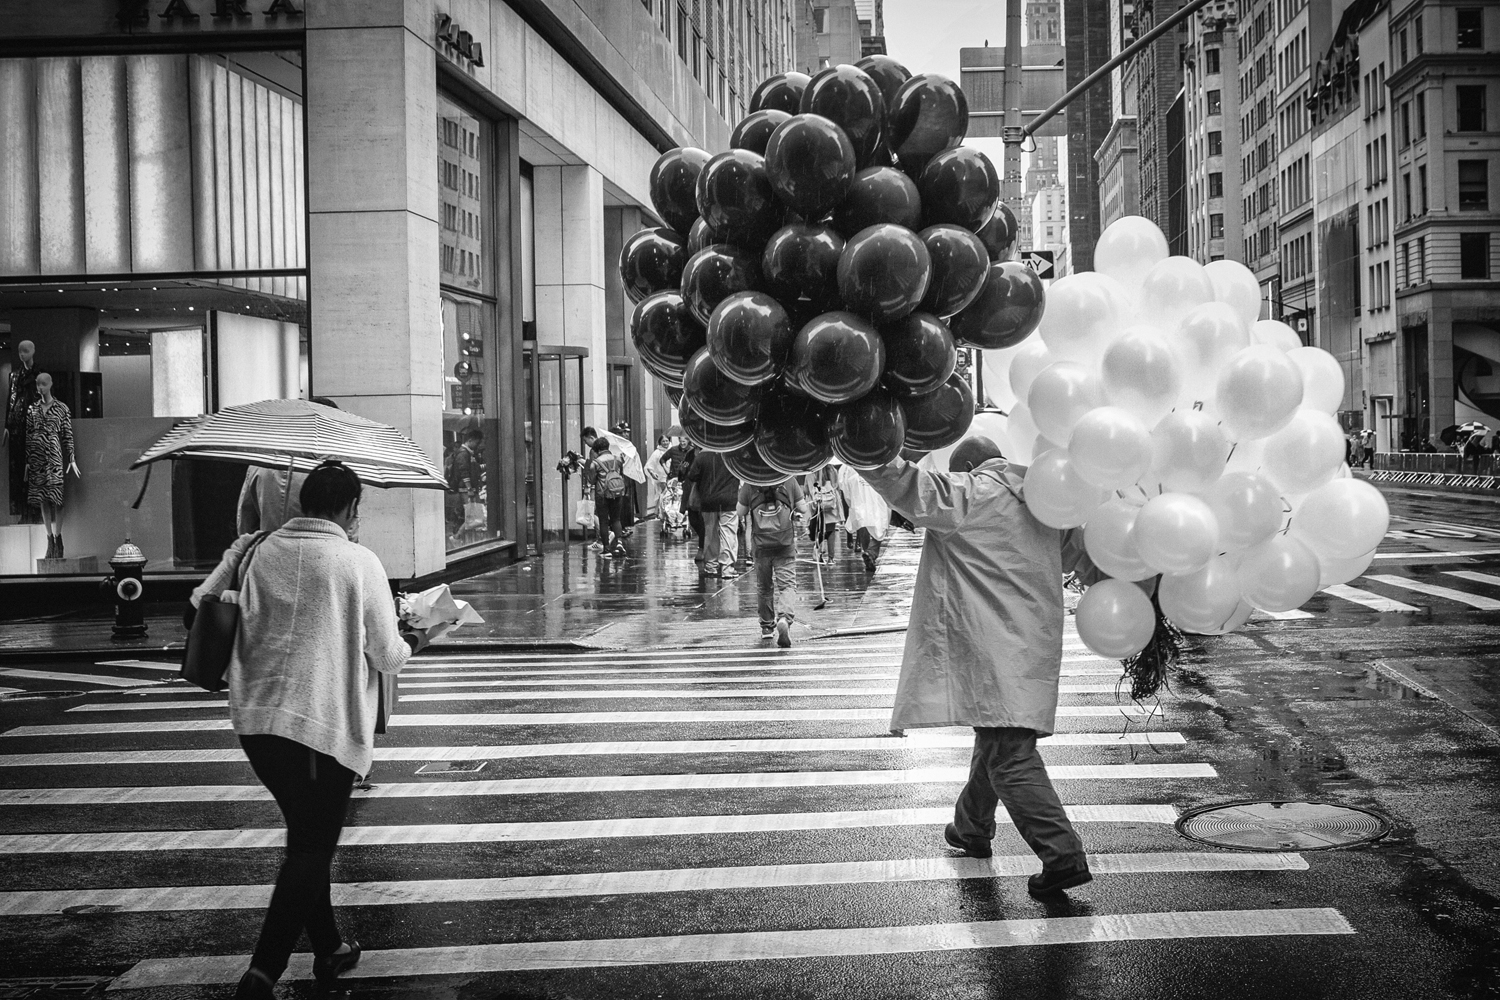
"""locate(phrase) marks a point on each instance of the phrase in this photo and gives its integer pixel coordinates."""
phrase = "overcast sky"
(925, 35)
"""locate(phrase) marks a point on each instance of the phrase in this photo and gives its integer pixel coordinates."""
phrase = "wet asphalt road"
(829, 848)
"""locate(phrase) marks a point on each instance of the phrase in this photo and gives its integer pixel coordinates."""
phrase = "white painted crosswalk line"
(1296, 614)
(1473, 576)
(922, 739)
(1432, 590)
(771, 945)
(550, 830)
(789, 672)
(629, 883)
(1369, 600)
(733, 780)
(703, 654)
(22, 673)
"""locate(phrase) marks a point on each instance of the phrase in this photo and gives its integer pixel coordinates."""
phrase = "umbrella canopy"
(1473, 427)
(277, 433)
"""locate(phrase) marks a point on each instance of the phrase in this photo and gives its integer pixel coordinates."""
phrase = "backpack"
(611, 480)
(771, 520)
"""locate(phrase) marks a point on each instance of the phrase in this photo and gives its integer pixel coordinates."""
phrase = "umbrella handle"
(144, 483)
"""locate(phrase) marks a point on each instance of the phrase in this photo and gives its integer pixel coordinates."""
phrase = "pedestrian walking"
(605, 475)
(869, 516)
(772, 513)
(317, 627)
(984, 647)
(827, 511)
(717, 491)
(463, 507)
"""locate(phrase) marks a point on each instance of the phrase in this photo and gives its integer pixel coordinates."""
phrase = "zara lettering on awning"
(138, 12)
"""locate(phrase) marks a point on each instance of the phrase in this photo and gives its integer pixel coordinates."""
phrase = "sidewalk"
(570, 598)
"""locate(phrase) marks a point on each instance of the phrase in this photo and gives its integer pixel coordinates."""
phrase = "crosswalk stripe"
(630, 883)
(918, 740)
(58, 675)
(646, 692)
(1474, 576)
(548, 830)
(171, 668)
(1406, 583)
(745, 663)
(772, 945)
(647, 673)
(591, 784)
(1296, 614)
(705, 654)
(1369, 600)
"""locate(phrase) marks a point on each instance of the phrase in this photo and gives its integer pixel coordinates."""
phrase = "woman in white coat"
(869, 516)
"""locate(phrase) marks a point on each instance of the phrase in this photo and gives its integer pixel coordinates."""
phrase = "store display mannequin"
(20, 395)
(49, 455)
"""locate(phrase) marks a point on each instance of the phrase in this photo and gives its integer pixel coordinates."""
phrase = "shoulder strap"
(240, 570)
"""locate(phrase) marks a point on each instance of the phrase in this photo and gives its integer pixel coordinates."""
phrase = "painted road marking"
(1296, 614)
(492, 833)
(1369, 600)
(706, 654)
(1473, 576)
(1406, 583)
(769, 945)
(731, 780)
(630, 883)
(55, 675)
(173, 668)
(744, 663)
(646, 674)
(915, 740)
(551, 685)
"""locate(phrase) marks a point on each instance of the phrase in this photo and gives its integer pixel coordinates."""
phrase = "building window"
(1216, 226)
(1473, 186)
(1406, 193)
(1404, 55)
(820, 24)
(1471, 116)
(1416, 29)
(1216, 144)
(682, 34)
(1470, 27)
(1421, 102)
(1473, 255)
(1216, 185)
(1211, 60)
(1215, 104)
(1422, 186)
(1421, 259)
(1406, 125)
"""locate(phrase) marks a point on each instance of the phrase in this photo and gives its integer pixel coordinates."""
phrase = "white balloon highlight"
(1207, 337)
(1026, 364)
(1082, 314)
(1276, 334)
(1175, 533)
(1141, 372)
(1129, 248)
(1060, 395)
(1342, 519)
(1322, 378)
(1110, 447)
(1258, 390)
(1115, 619)
(1306, 453)
(1248, 509)
(1189, 452)
(1174, 288)
(1205, 600)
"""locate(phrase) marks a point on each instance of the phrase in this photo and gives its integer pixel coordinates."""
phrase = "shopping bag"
(476, 518)
(583, 513)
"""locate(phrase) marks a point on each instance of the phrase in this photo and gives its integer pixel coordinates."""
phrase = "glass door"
(555, 396)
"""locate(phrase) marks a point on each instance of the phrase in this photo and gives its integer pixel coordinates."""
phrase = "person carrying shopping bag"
(317, 627)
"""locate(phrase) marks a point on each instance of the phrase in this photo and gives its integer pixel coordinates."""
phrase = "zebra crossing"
(751, 780)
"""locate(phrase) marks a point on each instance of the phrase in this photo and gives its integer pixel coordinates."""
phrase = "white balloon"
(1082, 315)
(1060, 395)
(1342, 519)
(1141, 372)
(1259, 389)
(1248, 508)
(1204, 601)
(1109, 542)
(1279, 574)
(996, 368)
(1110, 447)
(1026, 364)
(1235, 286)
(1306, 453)
(1115, 619)
(1276, 334)
(1247, 456)
(1056, 495)
(1128, 248)
(1336, 571)
(1172, 289)
(1189, 452)
(1322, 378)
(1176, 533)
(1206, 337)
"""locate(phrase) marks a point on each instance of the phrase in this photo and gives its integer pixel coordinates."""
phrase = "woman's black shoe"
(254, 986)
(330, 967)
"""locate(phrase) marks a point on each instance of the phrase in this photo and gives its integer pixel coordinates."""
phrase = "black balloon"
(674, 393)
(802, 261)
(868, 432)
(959, 186)
(887, 73)
(810, 162)
(782, 92)
(674, 185)
(920, 354)
(851, 99)
(651, 261)
(999, 234)
(735, 196)
(836, 358)
(939, 418)
(930, 114)
(959, 264)
(884, 272)
(883, 157)
(702, 235)
(791, 434)
(1008, 308)
(747, 464)
(878, 194)
(749, 337)
(754, 130)
(666, 335)
(713, 395)
(711, 436)
(713, 274)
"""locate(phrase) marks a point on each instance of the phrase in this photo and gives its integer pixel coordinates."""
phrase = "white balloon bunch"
(1189, 438)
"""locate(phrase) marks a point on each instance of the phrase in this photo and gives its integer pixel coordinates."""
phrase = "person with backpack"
(773, 533)
(605, 475)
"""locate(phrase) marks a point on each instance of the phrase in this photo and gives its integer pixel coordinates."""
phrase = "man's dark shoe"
(327, 968)
(973, 847)
(1050, 883)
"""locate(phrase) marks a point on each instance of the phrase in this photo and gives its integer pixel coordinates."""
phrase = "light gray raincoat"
(985, 643)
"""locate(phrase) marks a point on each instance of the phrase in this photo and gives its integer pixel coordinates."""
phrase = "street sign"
(1039, 261)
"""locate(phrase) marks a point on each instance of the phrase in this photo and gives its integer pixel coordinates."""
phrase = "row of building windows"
(1261, 200)
(1412, 263)
(1296, 257)
(1380, 286)
(1473, 189)
(1262, 243)
(1377, 161)
(1261, 157)
(1375, 91)
(1378, 222)
(1296, 183)
(1292, 121)
(1291, 61)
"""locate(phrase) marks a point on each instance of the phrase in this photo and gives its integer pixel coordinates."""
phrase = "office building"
(1118, 155)
(1255, 140)
(1086, 27)
(1158, 81)
(1211, 114)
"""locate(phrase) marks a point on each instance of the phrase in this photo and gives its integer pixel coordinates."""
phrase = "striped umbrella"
(297, 434)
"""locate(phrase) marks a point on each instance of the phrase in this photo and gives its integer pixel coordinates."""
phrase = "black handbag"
(210, 642)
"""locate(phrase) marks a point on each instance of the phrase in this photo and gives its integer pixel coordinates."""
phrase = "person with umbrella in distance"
(270, 497)
(984, 646)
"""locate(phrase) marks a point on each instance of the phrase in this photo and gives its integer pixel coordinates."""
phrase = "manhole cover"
(40, 695)
(1282, 826)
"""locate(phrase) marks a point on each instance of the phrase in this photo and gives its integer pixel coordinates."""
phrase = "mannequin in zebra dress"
(49, 454)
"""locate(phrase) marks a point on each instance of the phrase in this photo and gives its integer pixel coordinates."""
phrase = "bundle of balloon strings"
(1147, 670)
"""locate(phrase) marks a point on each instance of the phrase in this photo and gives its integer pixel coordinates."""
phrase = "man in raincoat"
(984, 647)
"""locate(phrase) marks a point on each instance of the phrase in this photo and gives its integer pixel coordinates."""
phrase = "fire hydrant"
(129, 564)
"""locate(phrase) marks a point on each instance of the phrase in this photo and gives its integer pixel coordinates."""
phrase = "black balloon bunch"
(815, 281)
